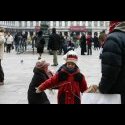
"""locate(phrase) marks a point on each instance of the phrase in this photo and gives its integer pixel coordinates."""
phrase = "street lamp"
(44, 27)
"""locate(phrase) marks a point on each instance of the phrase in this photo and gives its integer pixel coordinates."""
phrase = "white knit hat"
(71, 56)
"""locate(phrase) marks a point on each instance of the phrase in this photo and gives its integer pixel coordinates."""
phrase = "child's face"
(70, 65)
(46, 68)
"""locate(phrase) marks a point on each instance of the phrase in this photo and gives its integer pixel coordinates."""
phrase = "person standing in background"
(2, 41)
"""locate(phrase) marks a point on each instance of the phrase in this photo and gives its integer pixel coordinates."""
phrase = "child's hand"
(38, 90)
(92, 89)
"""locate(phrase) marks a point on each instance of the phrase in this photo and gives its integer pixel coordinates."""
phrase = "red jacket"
(68, 89)
(89, 40)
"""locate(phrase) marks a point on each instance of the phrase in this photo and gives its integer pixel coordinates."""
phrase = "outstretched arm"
(50, 83)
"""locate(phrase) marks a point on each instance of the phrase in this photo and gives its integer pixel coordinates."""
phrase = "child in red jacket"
(69, 81)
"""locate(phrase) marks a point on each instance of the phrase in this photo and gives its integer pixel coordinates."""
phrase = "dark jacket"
(113, 65)
(83, 43)
(33, 97)
(96, 41)
(54, 41)
(40, 41)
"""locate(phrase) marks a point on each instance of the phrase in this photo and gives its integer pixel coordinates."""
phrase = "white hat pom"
(71, 56)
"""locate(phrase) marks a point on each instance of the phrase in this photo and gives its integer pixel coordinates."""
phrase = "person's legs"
(82, 51)
(55, 63)
(40, 54)
(90, 50)
(1, 74)
(9, 47)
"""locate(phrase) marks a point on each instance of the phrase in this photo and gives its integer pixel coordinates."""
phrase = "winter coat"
(113, 65)
(2, 45)
(54, 42)
(9, 39)
(96, 41)
(83, 43)
(89, 40)
(69, 85)
(33, 97)
(40, 42)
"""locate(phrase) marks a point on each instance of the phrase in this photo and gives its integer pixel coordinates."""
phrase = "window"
(25, 24)
(78, 23)
(89, 23)
(83, 23)
(72, 23)
(31, 23)
(101, 23)
(60, 23)
(95, 23)
(48, 22)
(107, 23)
(37, 23)
(20, 24)
(66, 23)
(54, 23)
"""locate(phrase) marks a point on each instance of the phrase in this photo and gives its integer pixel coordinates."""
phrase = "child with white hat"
(69, 81)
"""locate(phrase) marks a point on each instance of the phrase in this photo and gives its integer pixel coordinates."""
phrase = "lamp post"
(45, 28)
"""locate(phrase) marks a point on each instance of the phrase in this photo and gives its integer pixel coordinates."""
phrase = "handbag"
(98, 98)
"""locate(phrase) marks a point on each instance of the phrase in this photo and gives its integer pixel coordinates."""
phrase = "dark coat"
(40, 42)
(96, 41)
(69, 85)
(89, 40)
(33, 97)
(54, 42)
(113, 65)
(83, 43)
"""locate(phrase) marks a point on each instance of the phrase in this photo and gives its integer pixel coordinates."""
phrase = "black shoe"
(54, 65)
(39, 58)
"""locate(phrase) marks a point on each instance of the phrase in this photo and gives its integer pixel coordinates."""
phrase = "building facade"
(61, 26)
(92, 26)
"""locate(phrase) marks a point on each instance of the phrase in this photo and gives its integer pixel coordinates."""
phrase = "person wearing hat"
(40, 43)
(113, 61)
(2, 41)
(69, 81)
(41, 74)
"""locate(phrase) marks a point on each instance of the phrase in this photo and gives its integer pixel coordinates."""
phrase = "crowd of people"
(68, 79)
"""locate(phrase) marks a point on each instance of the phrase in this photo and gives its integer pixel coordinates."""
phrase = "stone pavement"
(18, 75)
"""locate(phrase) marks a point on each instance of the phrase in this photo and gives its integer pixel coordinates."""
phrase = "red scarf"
(112, 25)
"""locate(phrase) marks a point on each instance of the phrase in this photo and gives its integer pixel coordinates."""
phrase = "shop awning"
(78, 28)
